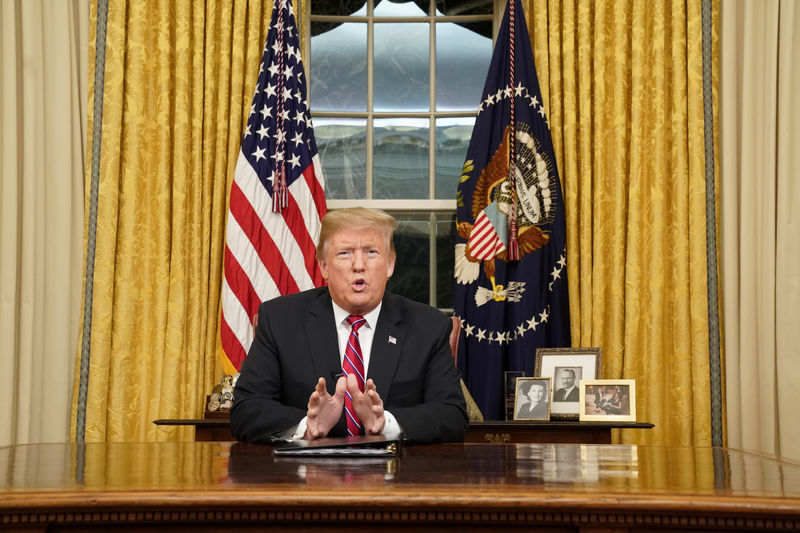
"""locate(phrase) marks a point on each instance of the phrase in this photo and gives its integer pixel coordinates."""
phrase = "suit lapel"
(387, 344)
(322, 340)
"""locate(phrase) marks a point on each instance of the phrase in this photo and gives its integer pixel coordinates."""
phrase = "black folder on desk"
(355, 446)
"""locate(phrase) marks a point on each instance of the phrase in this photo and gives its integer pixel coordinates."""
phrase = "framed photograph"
(608, 399)
(567, 367)
(532, 399)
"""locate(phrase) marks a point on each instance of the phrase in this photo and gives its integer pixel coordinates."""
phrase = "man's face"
(567, 379)
(357, 265)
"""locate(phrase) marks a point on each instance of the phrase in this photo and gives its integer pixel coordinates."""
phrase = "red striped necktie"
(353, 363)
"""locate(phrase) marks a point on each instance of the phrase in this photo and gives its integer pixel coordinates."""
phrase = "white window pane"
(339, 66)
(452, 140)
(343, 154)
(462, 61)
(400, 158)
(402, 67)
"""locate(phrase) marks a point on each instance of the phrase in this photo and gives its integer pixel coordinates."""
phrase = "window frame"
(434, 207)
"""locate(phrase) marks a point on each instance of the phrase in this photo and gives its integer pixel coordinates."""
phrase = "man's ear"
(390, 266)
(323, 268)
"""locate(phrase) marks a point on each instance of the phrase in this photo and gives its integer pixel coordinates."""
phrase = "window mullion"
(370, 96)
(432, 258)
(432, 157)
(432, 108)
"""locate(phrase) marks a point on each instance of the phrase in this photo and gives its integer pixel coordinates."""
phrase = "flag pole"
(513, 250)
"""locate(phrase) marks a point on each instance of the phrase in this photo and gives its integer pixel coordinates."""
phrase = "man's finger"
(341, 386)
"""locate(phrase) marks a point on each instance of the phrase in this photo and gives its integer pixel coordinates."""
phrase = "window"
(393, 88)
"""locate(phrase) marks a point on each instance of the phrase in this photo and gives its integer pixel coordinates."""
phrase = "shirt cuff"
(391, 429)
(294, 433)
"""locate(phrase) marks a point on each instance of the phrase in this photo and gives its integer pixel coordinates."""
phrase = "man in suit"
(568, 391)
(296, 378)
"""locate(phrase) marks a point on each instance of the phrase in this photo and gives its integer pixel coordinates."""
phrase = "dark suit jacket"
(559, 395)
(296, 343)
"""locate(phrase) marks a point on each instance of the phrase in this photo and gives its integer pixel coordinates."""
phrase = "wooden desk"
(193, 486)
(216, 429)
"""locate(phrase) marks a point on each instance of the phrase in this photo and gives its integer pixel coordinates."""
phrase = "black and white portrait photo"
(532, 399)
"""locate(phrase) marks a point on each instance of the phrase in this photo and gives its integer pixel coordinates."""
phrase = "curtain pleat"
(623, 83)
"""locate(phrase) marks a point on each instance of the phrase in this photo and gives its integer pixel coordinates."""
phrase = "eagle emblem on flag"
(487, 238)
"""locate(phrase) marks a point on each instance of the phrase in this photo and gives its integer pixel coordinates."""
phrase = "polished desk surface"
(571, 486)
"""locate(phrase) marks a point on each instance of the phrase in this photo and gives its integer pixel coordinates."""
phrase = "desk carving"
(496, 438)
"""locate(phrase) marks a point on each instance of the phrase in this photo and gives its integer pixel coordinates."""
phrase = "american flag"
(277, 197)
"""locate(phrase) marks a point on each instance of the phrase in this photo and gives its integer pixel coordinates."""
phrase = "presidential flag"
(277, 197)
(510, 265)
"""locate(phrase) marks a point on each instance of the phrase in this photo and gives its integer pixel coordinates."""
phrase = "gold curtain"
(177, 79)
(623, 82)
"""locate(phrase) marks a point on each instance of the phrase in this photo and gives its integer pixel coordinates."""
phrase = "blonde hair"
(356, 218)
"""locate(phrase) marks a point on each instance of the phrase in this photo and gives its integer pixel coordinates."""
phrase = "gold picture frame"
(608, 400)
(559, 363)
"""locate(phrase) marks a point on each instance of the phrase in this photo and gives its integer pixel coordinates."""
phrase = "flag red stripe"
(240, 284)
(268, 252)
(317, 191)
(234, 350)
(318, 195)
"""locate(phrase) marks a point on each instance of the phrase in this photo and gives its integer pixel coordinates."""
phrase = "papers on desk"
(357, 446)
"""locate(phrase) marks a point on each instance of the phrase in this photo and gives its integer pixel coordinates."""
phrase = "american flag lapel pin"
(392, 340)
